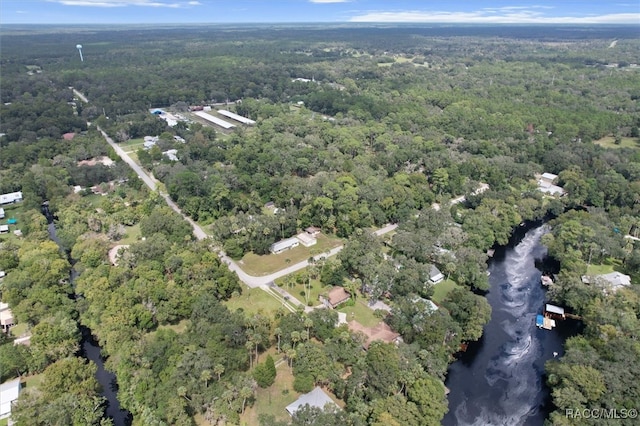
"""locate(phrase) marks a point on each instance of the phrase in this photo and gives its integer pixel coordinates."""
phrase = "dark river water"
(91, 351)
(500, 379)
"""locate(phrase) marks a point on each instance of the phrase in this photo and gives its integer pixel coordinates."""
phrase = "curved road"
(250, 280)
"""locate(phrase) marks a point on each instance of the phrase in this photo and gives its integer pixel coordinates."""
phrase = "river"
(91, 350)
(500, 379)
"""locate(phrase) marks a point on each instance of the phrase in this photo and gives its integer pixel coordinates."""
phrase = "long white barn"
(215, 120)
(234, 116)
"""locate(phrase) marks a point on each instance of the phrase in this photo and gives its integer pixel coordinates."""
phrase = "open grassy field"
(13, 211)
(132, 234)
(298, 290)
(266, 264)
(272, 400)
(599, 269)
(609, 142)
(361, 313)
(254, 300)
(19, 329)
(441, 290)
(132, 144)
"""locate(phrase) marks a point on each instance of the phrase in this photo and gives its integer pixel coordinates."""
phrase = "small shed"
(313, 231)
(316, 398)
(554, 310)
(4, 229)
(1, 213)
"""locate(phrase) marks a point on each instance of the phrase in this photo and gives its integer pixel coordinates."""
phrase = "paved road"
(253, 281)
(82, 97)
(250, 280)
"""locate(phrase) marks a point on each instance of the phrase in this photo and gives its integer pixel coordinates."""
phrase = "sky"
(287, 11)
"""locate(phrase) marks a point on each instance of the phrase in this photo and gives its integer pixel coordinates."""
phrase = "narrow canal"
(500, 379)
(91, 350)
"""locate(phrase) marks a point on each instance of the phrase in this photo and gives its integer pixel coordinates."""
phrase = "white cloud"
(123, 3)
(508, 15)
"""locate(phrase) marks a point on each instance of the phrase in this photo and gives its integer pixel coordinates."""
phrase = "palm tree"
(205, 376)
(295, 337)
(278, 333)
(291, 355)
(182, 391)
(249, 346)
(308, 322)
(218, 369)
(245, 393)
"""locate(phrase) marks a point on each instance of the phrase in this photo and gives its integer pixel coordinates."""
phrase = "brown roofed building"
(380, 332)
(335, 297)
(313, 231)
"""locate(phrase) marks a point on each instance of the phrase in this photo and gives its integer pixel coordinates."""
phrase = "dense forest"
(442, 131)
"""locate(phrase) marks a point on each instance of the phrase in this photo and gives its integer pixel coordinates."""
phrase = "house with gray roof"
(9, 392)
(316, 398)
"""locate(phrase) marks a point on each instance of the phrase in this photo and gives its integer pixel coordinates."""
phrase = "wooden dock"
(545, 322)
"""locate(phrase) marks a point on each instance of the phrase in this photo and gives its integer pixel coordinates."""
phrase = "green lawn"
(263, 265)
(272, 400)
(4, 422)
(298, 290)
(254, 300)
(132, 144)
(441, 290)
(132, 234)
(12, 211)
(33, 381)
(19, 329)
(361, 313)
(599, 269)
(609, 142)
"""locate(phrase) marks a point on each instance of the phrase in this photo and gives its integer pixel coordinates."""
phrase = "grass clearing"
(272, 400)
(266, 264)
(361, 313)
(33, 381)
(19, 329)
(610, 142)
(298, 290)
(127, 146)
(599, 269)
(441, 290)
(253, 301)
(132, 234)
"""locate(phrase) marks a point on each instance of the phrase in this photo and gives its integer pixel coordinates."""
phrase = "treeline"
(597, 369)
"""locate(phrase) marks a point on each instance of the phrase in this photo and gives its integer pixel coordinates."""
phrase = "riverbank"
(500, 379)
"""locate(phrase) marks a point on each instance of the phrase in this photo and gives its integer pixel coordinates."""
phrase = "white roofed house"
(546, 184)
(1, 213)
(613, 281)
(282, 245)
(435, 276)
(316, 398)
(9, 392)
(11, 197)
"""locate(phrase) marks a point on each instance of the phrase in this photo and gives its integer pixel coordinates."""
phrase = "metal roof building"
(316, 398)
(233, 116)
(11, 197)
(283, 245)
(9, 392)
(215, 120)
